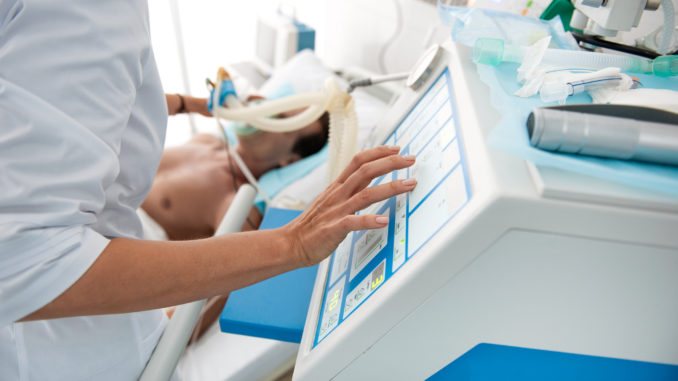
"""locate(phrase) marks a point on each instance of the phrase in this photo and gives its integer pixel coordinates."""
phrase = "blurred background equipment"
(279, 37)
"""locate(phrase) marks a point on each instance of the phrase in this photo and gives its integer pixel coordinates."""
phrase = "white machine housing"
(279, 38)
(606, 18)
(538, 258)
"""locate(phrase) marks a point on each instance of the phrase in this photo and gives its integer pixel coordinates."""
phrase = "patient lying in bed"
(197, 181)
(218, 355)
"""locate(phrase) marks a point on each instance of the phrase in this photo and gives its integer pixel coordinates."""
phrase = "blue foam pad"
(275, 308)
(502, 362)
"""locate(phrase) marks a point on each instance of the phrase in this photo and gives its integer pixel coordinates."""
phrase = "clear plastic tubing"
(258, 115)
(492, 51)
(669, 25)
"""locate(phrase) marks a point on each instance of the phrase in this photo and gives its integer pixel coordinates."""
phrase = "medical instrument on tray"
(339, 104)
(414, 78)
(575, 83)
(613, 131)
(493, 51)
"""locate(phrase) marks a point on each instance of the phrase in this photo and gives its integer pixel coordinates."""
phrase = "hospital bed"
(225, 356)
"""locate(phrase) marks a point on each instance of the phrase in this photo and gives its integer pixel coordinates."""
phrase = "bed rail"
(173, 342)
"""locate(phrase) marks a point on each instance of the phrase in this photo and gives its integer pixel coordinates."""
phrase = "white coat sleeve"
(46, 181)
(67, 102)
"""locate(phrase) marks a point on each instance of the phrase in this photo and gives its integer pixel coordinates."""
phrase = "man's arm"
(180, 104)
(134, 275)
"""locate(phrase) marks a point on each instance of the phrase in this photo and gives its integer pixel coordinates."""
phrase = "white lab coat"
(82, 124)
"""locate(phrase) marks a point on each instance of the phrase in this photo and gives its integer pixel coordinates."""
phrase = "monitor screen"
(366, 260)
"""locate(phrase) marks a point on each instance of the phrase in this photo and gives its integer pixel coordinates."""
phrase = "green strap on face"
(244, 129)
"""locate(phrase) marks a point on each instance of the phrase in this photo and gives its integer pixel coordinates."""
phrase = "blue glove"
(227, 88)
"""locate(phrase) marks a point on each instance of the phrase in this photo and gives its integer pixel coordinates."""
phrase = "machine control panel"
(366, 260)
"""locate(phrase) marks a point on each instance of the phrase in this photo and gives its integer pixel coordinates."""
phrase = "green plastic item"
(665, 66)
(492, 51)
(562, 8)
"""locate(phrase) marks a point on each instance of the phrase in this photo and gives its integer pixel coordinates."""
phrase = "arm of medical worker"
(133, 275)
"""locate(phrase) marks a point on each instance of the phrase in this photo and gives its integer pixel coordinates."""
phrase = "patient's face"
(277, 147)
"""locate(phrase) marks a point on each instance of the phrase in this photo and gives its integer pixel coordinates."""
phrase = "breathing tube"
(343, 129)
(669, 25)
(493, 51)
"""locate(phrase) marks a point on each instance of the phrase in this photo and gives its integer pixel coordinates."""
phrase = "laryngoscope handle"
(605, 135)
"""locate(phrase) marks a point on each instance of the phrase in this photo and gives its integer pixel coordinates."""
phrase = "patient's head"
(276, 149)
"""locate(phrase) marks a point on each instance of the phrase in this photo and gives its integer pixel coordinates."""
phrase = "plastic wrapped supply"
(493, 51)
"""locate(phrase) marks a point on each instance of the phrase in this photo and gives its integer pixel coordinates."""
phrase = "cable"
(597, 41)
(230, 164)
(238, 160)
(669, 24)
(387, 44)
(229, 152)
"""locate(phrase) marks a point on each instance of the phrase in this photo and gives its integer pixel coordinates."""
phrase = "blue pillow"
(273, 181)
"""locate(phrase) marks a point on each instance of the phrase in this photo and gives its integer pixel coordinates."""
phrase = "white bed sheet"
(224, 356)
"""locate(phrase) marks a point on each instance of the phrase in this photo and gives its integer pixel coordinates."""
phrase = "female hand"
(317, 232)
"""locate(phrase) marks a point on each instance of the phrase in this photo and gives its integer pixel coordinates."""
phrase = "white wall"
(215, 33)
(356, 32)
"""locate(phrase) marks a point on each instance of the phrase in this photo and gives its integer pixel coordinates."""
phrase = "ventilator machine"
(491, 259)
(493, 266)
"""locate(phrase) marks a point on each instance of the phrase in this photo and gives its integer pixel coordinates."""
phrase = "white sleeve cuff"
(38, 265)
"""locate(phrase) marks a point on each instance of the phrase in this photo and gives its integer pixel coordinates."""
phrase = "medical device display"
(493, 51)
(614, 131)
(365, 260)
